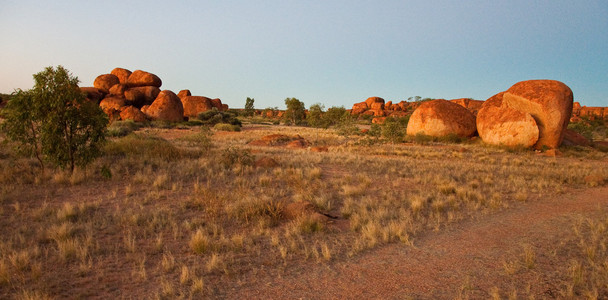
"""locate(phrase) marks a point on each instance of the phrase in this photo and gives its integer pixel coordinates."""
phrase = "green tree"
(296, 111)
(55, 122)
(315, 116)
(249, 110)
(392, 130)
(335, 115)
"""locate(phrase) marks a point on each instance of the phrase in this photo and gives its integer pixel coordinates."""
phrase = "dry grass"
(182, 219)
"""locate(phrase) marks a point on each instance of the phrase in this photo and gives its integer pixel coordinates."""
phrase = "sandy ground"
(466, 258)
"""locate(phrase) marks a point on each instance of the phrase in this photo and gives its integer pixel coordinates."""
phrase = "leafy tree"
(249, 110)
(315, 116)
(55, 122)
(392, 130)
(295, 112)
(335, 115)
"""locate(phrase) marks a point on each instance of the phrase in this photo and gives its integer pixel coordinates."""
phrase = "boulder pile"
(126, 95)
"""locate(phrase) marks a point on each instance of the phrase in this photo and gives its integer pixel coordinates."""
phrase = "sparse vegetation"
(185, 209)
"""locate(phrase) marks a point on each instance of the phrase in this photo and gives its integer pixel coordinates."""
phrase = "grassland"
(185, 213)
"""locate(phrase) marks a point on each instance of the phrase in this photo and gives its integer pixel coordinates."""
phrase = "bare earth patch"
(466, 259)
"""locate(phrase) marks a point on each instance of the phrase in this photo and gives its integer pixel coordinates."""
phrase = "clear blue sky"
(332, 52)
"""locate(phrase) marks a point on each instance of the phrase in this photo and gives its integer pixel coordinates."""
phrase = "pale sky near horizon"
(330, 52)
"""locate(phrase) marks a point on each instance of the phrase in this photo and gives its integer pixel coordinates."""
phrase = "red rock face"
(132, 113)
(118, 89)
(472, 105)
(143, 95)
(143, 78)
(93, 94)
(573, 138)
(184, 93)
(359, 108)
(122, 74)
(377, 106)
(549, 102)
(193, 105)
(105, 81)
(112, 102)
(378, 120)
(166, 107)
(217, 103)
(372, 100)
(441, 118)
(502, 125)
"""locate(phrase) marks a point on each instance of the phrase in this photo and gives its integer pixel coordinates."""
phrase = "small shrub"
(199, 242)
(235, 156)
(144, 147)
(226, 127)
(214, 116)
(122, 128)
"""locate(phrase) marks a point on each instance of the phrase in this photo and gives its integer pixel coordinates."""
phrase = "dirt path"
(470, 254)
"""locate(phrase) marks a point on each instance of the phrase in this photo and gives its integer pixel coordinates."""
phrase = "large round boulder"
(217, 103)
(193, 105)
(549, 102)
(105, 81)
(141, 95)
(143, 78)
(502, 125)
(122, 74)
(440, 118)
(166, 107)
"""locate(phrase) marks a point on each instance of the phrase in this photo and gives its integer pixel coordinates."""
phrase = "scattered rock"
(105, 81)
(298, 144)
(549, 102)
(143, 78)
(378, 120)
(166, 107)
(441, 118)
(217, 103)
(371, 100)
(122, 74)
(594, 179)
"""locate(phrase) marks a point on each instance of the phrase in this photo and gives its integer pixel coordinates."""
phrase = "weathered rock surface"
(122, 74)
(132, 113)
(105, 81)
(371, 100)
(118, 89)
(166, 107)
(143, 95)
(143, 78)
(573, 138)
(193, 105)
(502, 125)
(112, 102)
(217, 103)
(92, 93)
(441, 118)
(184, 93)
(549, 102)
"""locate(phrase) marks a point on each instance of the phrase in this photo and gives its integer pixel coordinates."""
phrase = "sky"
(332, 52)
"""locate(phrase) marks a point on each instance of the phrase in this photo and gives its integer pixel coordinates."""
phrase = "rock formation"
(440, 118)
(166, 107)
(502, 125)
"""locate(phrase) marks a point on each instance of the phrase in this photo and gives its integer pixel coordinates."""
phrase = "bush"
(122, 128)
(235, 156)
(214, 116)
(226, 127)
(392, 130)
(55, 122)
